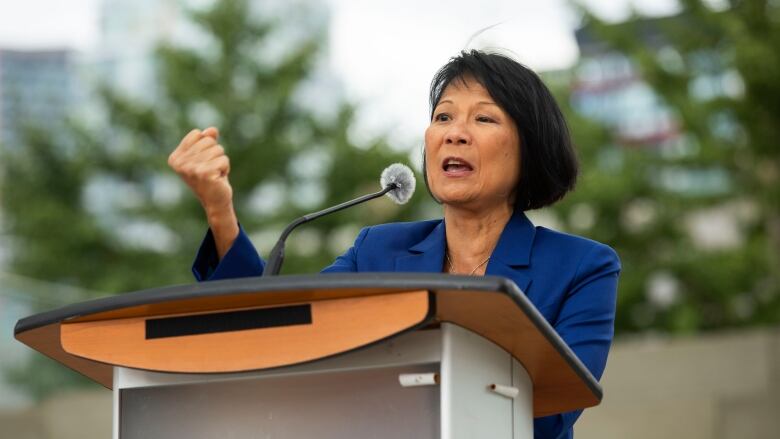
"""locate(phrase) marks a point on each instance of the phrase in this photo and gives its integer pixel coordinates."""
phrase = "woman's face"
(472, 148)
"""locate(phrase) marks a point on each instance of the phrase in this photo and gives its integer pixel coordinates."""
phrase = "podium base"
(357, 394)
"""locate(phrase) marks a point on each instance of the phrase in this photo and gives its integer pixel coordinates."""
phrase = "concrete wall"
(716, 386)
(73, 415)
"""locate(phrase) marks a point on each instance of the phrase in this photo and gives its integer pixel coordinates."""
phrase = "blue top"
(572, 281)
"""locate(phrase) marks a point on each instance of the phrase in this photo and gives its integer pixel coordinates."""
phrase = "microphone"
(397, 182)
(403, 178)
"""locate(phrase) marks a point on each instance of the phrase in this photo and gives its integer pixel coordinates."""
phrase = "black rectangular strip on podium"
(228, 321)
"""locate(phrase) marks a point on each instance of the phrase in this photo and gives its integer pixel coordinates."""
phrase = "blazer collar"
(435, 240)
(514, 245)
(512, 250)
(427, 255)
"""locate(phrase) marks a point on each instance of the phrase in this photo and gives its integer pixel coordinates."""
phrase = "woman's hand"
(201, 162)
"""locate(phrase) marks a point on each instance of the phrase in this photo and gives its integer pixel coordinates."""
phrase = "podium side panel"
(469, 409)
(115, 398)
(523, 404)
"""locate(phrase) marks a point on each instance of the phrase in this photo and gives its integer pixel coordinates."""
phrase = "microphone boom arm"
(276, 257)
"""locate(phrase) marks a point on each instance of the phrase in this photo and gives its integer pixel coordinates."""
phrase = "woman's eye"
(442, 117)
(485, 119)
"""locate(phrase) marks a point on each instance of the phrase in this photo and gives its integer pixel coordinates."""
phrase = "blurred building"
(129, 33)
(37, 87)
(608, 86)
(132, 30)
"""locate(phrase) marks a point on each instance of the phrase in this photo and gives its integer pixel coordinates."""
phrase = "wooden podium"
(380, 355)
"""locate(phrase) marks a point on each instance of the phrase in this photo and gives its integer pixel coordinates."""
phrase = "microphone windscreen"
(403, 177)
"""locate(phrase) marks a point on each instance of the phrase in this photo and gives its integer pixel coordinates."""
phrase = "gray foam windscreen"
(403, 177)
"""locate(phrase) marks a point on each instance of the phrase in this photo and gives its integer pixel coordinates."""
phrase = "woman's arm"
(226, 251)
(201, 162)
(240, 259)
(586, 323)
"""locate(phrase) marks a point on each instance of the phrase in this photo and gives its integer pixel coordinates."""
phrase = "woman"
(497, 145)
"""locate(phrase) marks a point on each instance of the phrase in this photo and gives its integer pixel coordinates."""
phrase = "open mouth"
(452, 165)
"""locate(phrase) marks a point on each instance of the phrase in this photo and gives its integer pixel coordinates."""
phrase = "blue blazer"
(572, 281)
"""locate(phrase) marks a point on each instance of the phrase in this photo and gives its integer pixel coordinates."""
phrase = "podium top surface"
(491, 306)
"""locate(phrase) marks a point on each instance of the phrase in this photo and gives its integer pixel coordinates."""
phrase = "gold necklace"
(452, 266)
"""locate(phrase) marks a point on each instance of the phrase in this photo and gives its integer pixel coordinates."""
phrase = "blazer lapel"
(512, 255)
(427, 256)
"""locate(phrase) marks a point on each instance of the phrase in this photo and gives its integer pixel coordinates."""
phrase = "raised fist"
(201, 162)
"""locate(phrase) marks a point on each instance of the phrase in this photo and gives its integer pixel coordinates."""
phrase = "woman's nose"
(457, 134)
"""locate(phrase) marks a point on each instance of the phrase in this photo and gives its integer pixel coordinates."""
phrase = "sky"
(384, 51)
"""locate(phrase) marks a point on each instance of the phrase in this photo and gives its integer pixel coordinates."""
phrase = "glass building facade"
(37, 88)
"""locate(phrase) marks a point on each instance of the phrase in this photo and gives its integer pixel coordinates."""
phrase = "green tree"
(280, 149)
(716, 71)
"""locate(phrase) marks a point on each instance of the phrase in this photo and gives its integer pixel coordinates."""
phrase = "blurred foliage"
(289, 158)
(147, 235)
(672, 281)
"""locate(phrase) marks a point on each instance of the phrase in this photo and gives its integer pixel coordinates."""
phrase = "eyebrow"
(448, 101)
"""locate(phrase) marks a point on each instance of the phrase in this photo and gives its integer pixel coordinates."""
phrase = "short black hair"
(548, 162)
